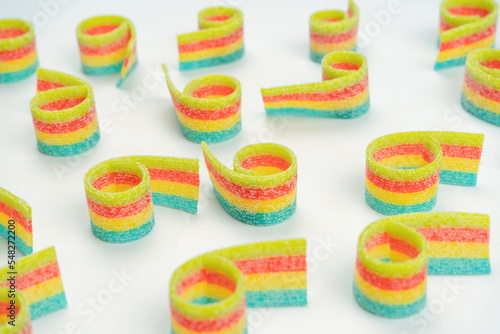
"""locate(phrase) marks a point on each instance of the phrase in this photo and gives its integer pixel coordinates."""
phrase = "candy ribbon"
(333, 30)
(15, 216)
(209, 109)
(121, 193)
(403, 170)
(219, 40)
(107, 46)
(481, 89)
(342, 94)
(395, 254)
(262, 188)
(64, 114)
(18, 57)
(465, 25)
(211, 292)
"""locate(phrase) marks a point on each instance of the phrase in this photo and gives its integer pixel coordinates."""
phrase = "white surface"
(406, 94)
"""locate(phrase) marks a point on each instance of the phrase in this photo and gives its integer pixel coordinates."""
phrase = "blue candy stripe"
(458, 178)
(191, 65)
(440, 65)
(276, 298)
(395, 209)
(123, 236)
(342, 113)
(485, 115)
(20, 244)
(387, 310)
(459, 266)
(18, 75)
(48, 305)
(176, 202)
(72, 149)
(211, 137)
(103, 70)
(257, 218)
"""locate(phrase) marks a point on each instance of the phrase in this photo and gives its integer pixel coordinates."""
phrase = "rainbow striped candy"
(403, 170)
(342, 94)
(481, 89)
(19, 316)
(395, 254)
(333, 30)
(64, 114)
(39, 279)
(209, 109)
(210, 293)
(13, 208)
(107, 46)
(121, 193)
(18, 57)
(262, 188)
(465, 25)
(219, 40)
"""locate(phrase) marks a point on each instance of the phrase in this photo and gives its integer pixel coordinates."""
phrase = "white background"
(406, 94)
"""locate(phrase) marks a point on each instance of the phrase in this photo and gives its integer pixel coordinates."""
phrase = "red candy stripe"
(116, 178)
(175, 176)
(121, 211)
(207, 114)
(36, 276)
(292, 263)
(210, 325)
(402, 187)
(334, 38)
(66, 127)
(212, 43)
(452, 234)
(468, 39)
(16, 215)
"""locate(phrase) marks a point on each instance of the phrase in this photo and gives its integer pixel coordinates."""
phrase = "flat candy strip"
(262, 188)
(107, 46)
(39, 279)
(481, 89)
(342, 94)
(403, 170)
(13, 208)
(121, 193)
(333, 30)
(219, 40)
(64, 114)
(211, 292)
(209, 109)
(465, 25)
(18, 56)
(20, 323)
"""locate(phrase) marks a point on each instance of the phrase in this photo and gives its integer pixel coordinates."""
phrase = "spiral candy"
(211, 292)
(333, 30)
(64, 114)
(342, 94)
(465, 25)
(209, 109)
(403, 170)
(219, 40)
(481, 88)
(121, 193)
(107, 45)
(262, 188)
(18, 57)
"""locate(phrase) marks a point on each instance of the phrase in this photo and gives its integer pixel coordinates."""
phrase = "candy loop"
(121, 193)
(342, 94)
(465, 25)
(209, 109)
(64, 114)
(15, 212)
(333, 30)
(18, 56)
(262, 188)
(211, 292)
(219, 40)
(395, 254)
(20, 321)
(107, 46)
(481, 88)
(403, 170)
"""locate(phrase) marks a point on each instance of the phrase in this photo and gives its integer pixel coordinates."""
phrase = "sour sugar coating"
(209, 109)
(211, 292)
(15, 313)
(262, 188)
(403, 170)
(121, 193)
(219, 40)
(333, 30)
(64, 114)
(107, 46)
(18, 57)
(342, 94)
(465, 26)
(15, 216)
(481, 89)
